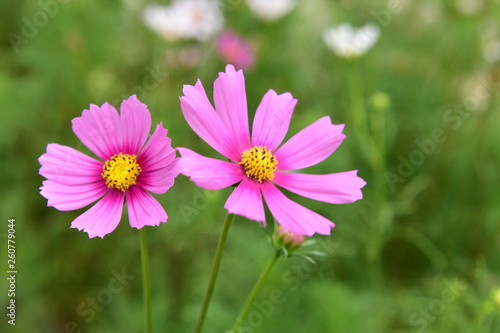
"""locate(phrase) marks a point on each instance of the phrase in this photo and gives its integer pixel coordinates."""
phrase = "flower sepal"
(287, 243)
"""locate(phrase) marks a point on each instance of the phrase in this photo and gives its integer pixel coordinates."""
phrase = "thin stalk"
(146, 281)
(215, 272)
(372, 143)
(253, 293)
(358, 113)
(378, 127)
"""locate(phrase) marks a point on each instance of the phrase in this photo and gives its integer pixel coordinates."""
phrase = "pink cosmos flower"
(127, 169)
(234, 49)
(258, 163)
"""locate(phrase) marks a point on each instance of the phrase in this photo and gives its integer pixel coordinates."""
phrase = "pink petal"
(293, 216)
(311, 145)
(68, 166)
(231, 104)
(272, 119)
(335, 188)
(103, 217)
(158, 163)
(135, 125)
(203, 119)
(143, 209)
(209, 173)
(161, 180)
(246, 201)
(99, 129)
(70, 197)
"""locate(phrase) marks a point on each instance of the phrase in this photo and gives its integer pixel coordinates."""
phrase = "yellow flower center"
(259, 163)
(121, 171)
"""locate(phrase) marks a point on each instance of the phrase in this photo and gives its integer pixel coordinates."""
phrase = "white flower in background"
(469, 7)
(489, 39)
(349, 42)
(477, 90)
(430, 11)
(271, 10)
(185, 19)
(492, 51)
(133, 5)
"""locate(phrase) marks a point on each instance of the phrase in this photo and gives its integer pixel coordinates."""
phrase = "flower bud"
(496, 298)
(287, 239)
(380, 101)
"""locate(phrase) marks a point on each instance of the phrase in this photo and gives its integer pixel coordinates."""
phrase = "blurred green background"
(418, 254)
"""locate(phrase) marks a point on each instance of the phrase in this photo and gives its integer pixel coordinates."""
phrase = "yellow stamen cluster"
(121, 171)
(259, 163)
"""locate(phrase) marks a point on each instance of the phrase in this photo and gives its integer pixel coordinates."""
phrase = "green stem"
(372, 143)
(146, 282)
(358, 113)
(215, 272)
(373, 146)
(378, 126)
(253, 293)
(485, 309)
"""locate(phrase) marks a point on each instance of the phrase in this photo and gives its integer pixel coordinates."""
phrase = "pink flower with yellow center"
(234, 49)
(128, 168)
(257, 163)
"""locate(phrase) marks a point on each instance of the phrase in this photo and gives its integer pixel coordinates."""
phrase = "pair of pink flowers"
(129, 166)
